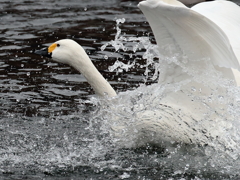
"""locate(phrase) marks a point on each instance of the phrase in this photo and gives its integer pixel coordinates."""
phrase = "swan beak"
(44, 52)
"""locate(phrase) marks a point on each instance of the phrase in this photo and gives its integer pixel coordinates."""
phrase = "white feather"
(194, 34)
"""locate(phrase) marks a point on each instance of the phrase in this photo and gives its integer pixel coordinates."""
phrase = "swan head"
(63, 51)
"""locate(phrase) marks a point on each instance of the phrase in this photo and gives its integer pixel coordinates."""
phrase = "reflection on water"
(53, 127)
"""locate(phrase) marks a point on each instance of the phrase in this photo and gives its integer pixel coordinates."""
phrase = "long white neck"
(83, 64)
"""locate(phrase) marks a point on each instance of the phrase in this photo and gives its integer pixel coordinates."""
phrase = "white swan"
(196, 36)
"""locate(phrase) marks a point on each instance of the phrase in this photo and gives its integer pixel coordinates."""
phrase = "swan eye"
(58, 45)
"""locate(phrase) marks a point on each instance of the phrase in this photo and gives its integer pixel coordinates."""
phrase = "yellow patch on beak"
(52, 47)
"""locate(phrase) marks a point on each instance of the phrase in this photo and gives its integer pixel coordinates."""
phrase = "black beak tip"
(43, 52)
(39, 52)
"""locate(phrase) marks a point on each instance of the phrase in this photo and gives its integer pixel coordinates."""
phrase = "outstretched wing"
(226, 15)
(182, 31)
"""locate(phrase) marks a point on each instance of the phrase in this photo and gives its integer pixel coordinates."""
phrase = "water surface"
(51, 122)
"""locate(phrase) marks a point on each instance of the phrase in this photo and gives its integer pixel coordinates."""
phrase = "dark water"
(28, 80)
(44, 112)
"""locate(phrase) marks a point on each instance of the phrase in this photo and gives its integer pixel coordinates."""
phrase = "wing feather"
(226, 15)
(182, 31)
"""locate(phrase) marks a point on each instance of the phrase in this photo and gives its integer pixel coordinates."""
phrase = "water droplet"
(187, 167)
(105, 57)
(122, 20)
(85, 9)
(209, 99)
(124, 176)
(220, 97)
(193, 89)
(28, 73)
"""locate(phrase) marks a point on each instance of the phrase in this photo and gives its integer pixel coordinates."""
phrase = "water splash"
(200, 113)
(132, 45)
